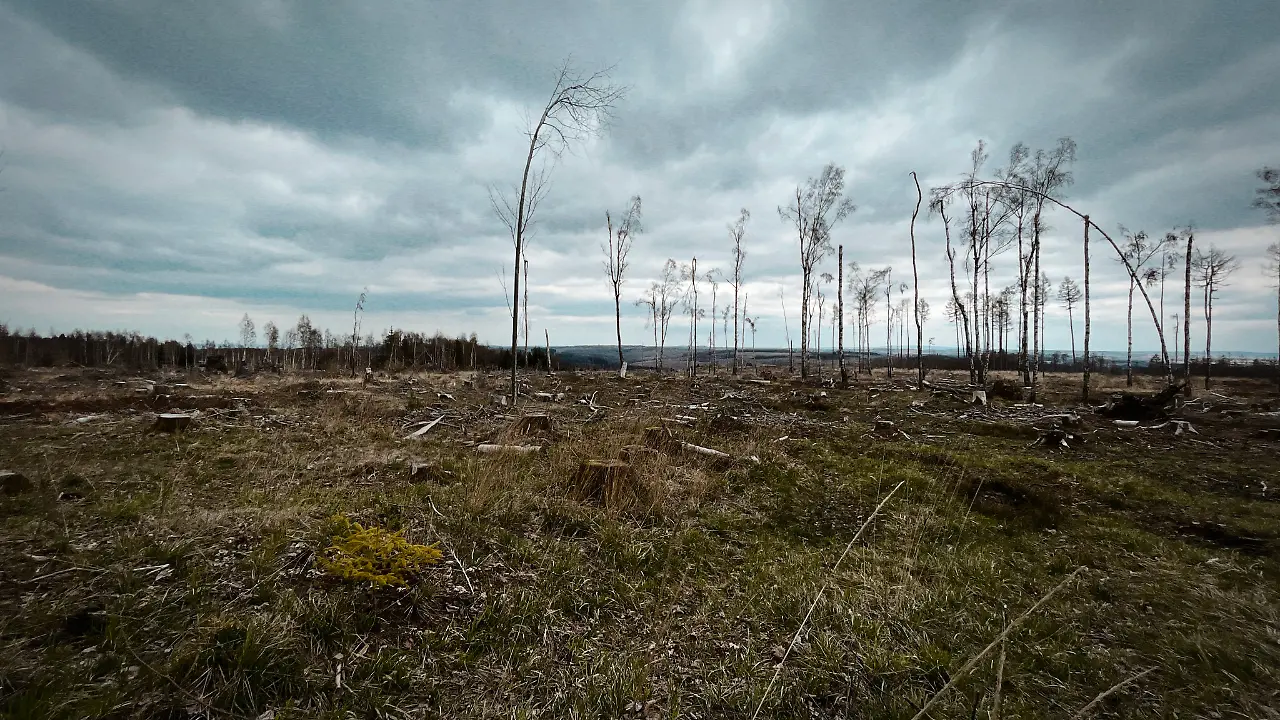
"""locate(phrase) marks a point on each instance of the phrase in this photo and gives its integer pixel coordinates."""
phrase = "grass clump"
(372, 554)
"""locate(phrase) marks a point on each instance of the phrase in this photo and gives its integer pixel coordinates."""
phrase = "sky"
(169, 167)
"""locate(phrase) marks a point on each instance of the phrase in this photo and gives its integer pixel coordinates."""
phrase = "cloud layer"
(170, 166)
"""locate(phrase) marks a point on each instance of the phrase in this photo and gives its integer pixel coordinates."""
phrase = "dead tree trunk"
(915, 273)
(1186, 320)
(844, 374)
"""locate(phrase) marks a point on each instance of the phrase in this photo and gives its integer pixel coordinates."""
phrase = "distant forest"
(306, 348)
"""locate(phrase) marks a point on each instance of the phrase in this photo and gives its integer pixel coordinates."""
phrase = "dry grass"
(176, 576)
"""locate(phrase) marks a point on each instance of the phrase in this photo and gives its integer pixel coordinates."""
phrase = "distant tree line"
(303, 347)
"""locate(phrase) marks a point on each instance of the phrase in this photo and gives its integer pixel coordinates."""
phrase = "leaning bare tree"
(1212, 269)
(577, 109)
(615, 263)
(737, 231)
(816, 209)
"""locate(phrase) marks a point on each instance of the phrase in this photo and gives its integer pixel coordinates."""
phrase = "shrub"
(373, 554)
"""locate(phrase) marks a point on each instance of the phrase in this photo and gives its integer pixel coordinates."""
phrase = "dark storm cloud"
(286, 154)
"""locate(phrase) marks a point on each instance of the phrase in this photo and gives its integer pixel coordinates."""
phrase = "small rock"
(15, 483)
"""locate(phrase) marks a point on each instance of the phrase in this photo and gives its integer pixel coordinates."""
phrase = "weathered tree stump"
(637, 453)
(15, 483)
(428, 473)
(531, 424)
(159, 389)
(172, 422)
(660, 438)
(605, 482)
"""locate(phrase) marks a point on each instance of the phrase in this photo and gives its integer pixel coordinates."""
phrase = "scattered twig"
(796, 638)
(1102, 695)
(963, 671)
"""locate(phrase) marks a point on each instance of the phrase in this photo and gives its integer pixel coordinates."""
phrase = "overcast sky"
(169, 166)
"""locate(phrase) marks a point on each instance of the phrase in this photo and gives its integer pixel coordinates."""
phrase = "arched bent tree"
(1124, 260)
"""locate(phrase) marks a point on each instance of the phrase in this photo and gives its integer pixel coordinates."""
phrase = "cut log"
(532, 424)
(172, 422)
(15, 483)
(709, 452)
(610, 483)
(518, 449)
(424, 429)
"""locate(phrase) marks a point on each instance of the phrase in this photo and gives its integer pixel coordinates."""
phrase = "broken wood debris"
(489, 448)
(424, 429)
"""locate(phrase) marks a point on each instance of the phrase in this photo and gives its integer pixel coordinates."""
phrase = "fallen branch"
(424, 429)
(1102, 695)
(521, 449)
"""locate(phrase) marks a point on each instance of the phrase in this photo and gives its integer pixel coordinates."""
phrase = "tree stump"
(637, 453)
(660, 438)
(159, 389)
(15, 483)
(172, 422)
(530, 424)
(428, 473)
(604, 482)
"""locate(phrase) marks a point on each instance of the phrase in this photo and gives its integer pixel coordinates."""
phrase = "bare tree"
(915, 274)
(939, 197)
(1069, 295)
(844, 373)
(272, 335)
(577, 109)
(816, 209)
(1138, 251)
(1212, 269)
(355, 328)
(1267, 197)
(615, 264)
(888, 320)
(737, 231)
(1084, 393)
(1188, 258)
(666, 293)
(525, 315)
(247, 333)
(786, 326)
(1273, 270)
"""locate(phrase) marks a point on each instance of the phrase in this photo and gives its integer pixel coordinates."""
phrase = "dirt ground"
(189, 574)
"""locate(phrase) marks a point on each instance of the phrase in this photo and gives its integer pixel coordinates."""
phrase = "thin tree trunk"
(1071, 320)
(1186, 320)
(1128, 361)
(844, 373)
(1208, 334)
(1035, 301)
(804, 325)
